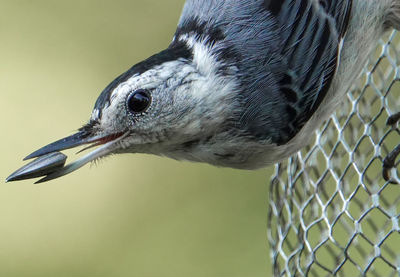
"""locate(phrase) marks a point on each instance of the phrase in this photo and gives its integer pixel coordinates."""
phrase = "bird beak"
(50, 163)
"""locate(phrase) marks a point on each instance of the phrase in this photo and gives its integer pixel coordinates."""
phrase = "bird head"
(172, 104)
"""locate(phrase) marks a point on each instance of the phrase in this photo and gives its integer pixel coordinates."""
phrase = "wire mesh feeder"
(331, 211)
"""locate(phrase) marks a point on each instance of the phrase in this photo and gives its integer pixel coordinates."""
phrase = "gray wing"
(286, 51)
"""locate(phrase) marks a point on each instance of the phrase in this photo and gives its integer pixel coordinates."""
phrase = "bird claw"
(393, 119)
(389, 172)
(389, 166)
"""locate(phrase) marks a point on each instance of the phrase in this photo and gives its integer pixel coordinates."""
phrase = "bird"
(243, 84)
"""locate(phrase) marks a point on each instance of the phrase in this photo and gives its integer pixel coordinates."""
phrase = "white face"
(136, 103)
(184, 101)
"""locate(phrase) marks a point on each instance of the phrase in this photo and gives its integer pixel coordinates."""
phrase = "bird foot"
(389, 163)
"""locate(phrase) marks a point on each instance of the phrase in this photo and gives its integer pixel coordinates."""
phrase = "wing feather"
(287, 52)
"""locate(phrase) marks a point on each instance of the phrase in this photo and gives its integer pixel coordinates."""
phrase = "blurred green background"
(132, 215)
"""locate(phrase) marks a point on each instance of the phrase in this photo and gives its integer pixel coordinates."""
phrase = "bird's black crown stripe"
(177, 50)
(201, 30)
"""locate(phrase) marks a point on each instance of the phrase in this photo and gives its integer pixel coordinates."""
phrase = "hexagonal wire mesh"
(331, 211)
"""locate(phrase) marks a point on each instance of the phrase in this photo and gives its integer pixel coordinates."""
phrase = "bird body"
(243, 84)
(293, 70)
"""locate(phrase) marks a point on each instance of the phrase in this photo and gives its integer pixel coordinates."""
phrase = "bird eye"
(138, 101)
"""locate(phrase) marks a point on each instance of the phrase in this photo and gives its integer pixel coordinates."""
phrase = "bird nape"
(243, 84)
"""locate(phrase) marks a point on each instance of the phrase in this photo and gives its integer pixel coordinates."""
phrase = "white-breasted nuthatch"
(243, 84)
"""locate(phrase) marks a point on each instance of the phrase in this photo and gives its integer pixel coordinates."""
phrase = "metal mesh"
(331, 211)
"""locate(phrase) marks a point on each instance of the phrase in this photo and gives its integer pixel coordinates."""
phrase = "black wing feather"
(286, 51)
(311, 34)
